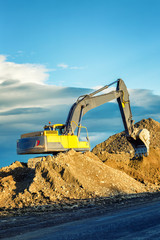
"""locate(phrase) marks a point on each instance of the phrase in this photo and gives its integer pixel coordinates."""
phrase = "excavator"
(57, 138)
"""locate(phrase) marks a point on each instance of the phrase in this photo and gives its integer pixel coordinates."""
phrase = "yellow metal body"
(52, 140)
(67, 141)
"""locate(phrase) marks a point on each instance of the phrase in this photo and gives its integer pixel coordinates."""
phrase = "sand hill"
(117, 153)
(107, 171)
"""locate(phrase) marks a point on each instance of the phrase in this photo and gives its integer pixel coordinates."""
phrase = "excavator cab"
(60, 129)
(55, 127)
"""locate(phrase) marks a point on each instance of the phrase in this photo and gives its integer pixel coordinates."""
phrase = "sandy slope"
(75, 175)
(68, 176)
(120, 156)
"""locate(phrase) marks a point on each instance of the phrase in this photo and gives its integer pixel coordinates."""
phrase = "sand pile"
(107, 171)
(118, 153)
(70, 175)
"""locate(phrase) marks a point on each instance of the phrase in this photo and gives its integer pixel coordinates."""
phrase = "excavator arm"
(138, 138)
(60, 138)
(85, 104)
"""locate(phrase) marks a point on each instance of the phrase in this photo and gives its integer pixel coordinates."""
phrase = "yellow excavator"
(63, 137)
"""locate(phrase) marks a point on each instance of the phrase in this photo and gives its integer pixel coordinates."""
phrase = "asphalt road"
(132, 223)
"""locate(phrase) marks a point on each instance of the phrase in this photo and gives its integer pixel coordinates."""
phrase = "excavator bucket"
(140, 140)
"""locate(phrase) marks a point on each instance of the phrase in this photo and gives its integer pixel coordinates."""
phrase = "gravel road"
(132, 218)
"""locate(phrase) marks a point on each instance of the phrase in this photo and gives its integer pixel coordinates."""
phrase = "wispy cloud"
(77, 68)
(66, 66)
(144, 98)
(62, 65)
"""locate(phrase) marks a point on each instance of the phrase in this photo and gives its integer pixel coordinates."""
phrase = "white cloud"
(2, 58)
(20, 52)
(143, 98)
(77, 68)
(66, 66)
(63, 66)
(23, 73)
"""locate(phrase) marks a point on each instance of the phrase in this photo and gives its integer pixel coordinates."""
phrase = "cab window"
(59, 129)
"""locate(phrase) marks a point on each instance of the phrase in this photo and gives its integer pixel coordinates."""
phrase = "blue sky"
(68, 47)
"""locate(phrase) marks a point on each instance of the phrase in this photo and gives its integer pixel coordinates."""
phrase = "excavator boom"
(61, 138)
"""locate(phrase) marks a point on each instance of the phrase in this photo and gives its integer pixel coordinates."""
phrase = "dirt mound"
(118, 153)
(107, 171)
(70, 175)
(118, 143)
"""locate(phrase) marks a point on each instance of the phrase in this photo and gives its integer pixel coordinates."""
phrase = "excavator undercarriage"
(61, 137)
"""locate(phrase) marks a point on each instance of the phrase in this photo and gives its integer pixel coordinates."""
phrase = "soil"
(74, 179)
(118, 153)
(70, 175)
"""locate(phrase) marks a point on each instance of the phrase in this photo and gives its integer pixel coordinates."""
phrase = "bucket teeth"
(141, 151)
